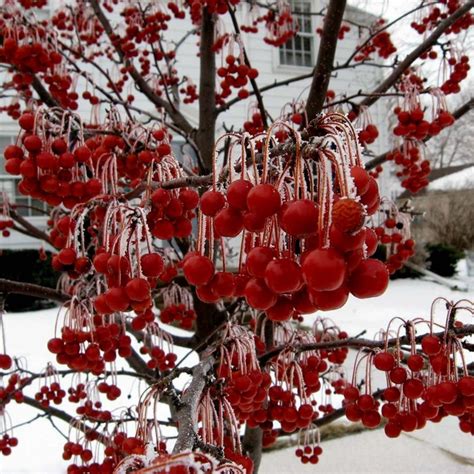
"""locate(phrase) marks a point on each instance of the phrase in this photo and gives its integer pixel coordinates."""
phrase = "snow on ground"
(40, 446)
(435, 449)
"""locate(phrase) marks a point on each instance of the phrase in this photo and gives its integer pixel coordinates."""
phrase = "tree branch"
(416, 53)
(30, 289)
(43, 94)
(32, 229)
(140, 81)
(268, 87)
(360, 342)
(447, 170)
(253, 82)
(383, 28)
(62, 415)
(326, 54)
(183, 182)
(457, 114)
(207, 91)
(186, 414)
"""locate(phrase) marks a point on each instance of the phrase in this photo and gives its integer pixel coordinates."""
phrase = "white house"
(274, 64)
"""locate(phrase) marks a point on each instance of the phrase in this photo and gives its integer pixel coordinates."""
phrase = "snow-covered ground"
(435, 449)
(438, 448)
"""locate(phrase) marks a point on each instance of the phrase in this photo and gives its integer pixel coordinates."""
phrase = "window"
(28, 206)
(298, 51)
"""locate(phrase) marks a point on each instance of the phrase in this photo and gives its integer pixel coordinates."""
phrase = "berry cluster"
(93, 411)
(30, 50)
(282, 408)
(126, 444)
(7, 442)
(247, 393)
(415, 170)
(159, 359)
(110, 390)
(280, 25)
(71, 449)
(89, 350)
(362, 120)
(172, 212)
(412, 124)
(423, 386)
(221, 7)
(309, 454)
(368, 134)
(459, 70)
(399, 246)
(345, 28)
(254, 125)
(190, 92)
(28, 57)
(47, 394)
(277, 281)
(27, 4)
(12, 390)
(58, 170)
(76, 394)
(380, 44)
(438, 13)
(334, 356)
(235, 74)
(178, 314)
(124, 291)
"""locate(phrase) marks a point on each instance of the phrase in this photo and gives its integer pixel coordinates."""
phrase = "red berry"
(198, 270)
(27, 121)
(138, 289)
(300, 218)
(228, 222)
(431, 345)
(212, 202)
(369, 279)
(283, 275)
(324, 269)
(384, 361)
(413, 388)
(258, 295)
(237, 193)
(152, 265)
(263, 200)
(348, 215)
(258, 259)
(329, 300)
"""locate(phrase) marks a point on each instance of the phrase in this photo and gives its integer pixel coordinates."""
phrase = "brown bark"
(325, 61)
(205, 136)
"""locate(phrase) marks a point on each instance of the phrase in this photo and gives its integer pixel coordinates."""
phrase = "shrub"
(443, 259)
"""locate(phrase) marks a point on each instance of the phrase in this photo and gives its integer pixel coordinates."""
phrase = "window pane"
(299, 43)
(4, 142)
(298, 51)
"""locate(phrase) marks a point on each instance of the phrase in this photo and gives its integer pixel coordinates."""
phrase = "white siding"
(266, 59)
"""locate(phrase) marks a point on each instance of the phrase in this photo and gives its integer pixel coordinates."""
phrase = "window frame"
(14, 195)
(305, 34)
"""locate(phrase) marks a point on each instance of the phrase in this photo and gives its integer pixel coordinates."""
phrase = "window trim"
(12, 134)
(292, 68)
